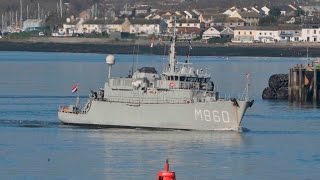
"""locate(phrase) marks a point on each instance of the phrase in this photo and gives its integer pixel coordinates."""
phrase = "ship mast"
(172, 56)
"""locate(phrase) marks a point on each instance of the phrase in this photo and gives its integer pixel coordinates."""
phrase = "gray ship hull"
(218, 115)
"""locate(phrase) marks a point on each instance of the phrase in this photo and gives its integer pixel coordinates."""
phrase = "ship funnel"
(110, 60)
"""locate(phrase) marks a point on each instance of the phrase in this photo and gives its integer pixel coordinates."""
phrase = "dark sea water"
(281, 141)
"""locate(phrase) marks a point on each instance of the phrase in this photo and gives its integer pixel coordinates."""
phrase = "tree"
(275, 12)
(268, 21)
(53, 21)
(300, 12)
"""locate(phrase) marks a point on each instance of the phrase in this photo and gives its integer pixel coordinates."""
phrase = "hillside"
(73, 7)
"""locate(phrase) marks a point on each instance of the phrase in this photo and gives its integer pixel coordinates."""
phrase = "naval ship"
(181, 97)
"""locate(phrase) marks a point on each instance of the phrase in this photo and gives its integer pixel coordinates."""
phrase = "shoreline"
(110, 46)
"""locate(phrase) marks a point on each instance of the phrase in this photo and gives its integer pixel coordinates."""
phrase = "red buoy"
(166, 174)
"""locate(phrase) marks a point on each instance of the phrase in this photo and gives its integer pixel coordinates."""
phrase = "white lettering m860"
(214, 115)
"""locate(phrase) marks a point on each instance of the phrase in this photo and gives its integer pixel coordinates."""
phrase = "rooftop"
(144, 21)
(251, 14)
(189, 30)
(188, 21)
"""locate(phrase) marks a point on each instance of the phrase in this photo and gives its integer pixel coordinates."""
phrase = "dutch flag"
(189, 41)
(152, 42)
(75, 88)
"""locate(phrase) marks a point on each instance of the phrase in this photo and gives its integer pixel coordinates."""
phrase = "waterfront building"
(266, 34)
(211, 33)
(32, 24)
(73, 26)
(185, 23)
(186, 28)
(244, 34)
(227, 32)
(147, 27)
(311, 33)
(270, 34)
(118, 25)
(290, 33)
(94, 26)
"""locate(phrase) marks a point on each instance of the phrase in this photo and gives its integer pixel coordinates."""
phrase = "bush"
(221, 40)
(21, 35)
(96, 35)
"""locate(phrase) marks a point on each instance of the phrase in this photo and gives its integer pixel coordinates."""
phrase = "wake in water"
(28, 123)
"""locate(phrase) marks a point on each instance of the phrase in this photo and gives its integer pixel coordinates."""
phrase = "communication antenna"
(20, 13)
(132, 68)
(2, 23)
(60, 8)
(38, 11)
(307, 54)
(27, 11)
(246, 93)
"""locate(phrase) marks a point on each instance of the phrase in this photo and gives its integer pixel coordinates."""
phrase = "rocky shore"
(109, 46)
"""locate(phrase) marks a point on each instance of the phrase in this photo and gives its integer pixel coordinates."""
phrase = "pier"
(304, 83)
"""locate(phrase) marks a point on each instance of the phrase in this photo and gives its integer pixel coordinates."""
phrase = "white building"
(266, 34)
(94, 26)
(119, 25)
(290, 33)
(211, 33)
(310, 33)
(244, 34)
(185, 23)
(143, 26)
(227, 32)
(265, 10)
(72, 26)
(249, 34)
(32, 24)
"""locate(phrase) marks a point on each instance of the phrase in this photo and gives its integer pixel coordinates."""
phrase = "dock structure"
(304, 83)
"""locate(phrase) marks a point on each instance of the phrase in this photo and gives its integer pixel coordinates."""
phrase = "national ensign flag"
(189, 41)
(152, 41)
(75, 88)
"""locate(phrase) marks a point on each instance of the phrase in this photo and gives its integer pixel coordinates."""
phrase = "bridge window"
(204, 80)
(182, 78)
(191, 79)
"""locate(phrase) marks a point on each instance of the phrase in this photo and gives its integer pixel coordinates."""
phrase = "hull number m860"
(211, 115)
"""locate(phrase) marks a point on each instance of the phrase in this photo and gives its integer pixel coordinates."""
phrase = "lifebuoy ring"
(172, 84)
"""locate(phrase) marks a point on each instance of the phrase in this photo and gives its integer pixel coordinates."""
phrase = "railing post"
(315, 85)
